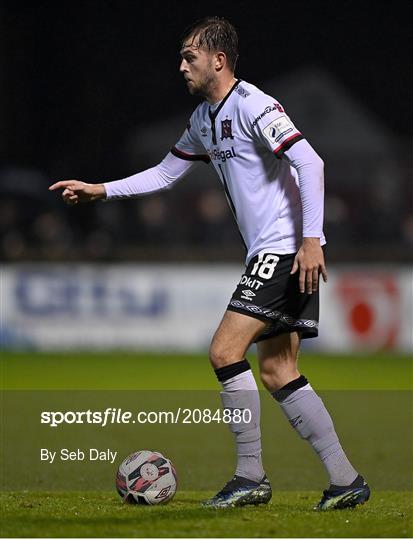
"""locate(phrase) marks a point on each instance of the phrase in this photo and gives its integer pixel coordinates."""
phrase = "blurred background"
(91, 90)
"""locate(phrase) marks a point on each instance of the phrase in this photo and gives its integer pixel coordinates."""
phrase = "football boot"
(239, 492)
(340, 497)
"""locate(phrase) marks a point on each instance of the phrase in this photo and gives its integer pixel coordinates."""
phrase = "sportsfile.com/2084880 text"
(180, 415)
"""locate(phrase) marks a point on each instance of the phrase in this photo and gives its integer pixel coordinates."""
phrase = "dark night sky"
(80, 76)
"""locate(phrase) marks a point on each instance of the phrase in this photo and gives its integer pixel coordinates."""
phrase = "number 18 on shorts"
(267, 291)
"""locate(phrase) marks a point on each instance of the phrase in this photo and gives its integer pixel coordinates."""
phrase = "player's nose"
(183, 66)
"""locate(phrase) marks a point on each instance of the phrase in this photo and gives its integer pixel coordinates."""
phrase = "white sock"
(241, 392)
(309, 417)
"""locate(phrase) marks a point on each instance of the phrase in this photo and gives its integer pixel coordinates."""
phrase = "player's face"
(197, 68)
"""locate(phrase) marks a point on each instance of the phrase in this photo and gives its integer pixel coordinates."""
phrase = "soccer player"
(274, 183)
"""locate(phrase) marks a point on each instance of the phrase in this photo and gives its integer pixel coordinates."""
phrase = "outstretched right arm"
(162, 176)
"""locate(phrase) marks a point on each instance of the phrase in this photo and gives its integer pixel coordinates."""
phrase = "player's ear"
(220, 61)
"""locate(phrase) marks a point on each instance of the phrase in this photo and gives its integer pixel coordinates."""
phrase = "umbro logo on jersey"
(241, 91)
(222, 155)
(247, 295)
(204, 131)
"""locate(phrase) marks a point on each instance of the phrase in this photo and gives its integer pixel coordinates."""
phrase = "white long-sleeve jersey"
(273, 179)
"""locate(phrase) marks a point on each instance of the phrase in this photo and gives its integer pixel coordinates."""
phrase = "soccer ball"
(146, 477)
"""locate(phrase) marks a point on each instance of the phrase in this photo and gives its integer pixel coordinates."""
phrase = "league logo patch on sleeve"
(278, 128)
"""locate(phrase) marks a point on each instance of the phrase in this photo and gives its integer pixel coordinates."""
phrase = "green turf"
(361, 419)
(120, 370)
(289, 514)
(368, 396)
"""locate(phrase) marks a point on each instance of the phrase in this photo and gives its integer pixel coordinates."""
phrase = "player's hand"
(310, 261)
(75, 191)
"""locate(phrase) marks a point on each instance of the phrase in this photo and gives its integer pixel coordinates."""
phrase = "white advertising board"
(177, 307)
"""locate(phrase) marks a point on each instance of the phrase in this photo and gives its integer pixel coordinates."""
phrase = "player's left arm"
(309, 260)
(269, 124)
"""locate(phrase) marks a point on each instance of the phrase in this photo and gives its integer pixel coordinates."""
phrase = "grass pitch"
(369, 397)
(289, 514)
(127, 371)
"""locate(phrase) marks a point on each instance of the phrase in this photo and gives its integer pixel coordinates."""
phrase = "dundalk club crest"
(226, 129)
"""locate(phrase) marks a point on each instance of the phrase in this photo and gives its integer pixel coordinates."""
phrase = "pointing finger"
(62, 184)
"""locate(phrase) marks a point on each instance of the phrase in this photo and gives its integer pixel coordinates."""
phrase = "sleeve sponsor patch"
(278, 128)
